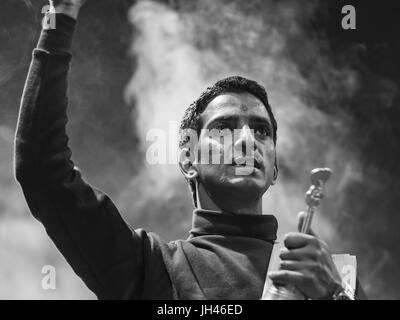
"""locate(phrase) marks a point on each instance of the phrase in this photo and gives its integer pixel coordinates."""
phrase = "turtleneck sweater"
(225, 257)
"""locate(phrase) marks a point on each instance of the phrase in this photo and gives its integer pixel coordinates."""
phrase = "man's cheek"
(269, 154)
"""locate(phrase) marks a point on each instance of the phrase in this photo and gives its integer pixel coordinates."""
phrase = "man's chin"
(245, 187)
(240, 188)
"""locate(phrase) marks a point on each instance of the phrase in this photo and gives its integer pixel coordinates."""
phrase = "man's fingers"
(293, 265)
(287, 276)
(296, 254)
(295, 240)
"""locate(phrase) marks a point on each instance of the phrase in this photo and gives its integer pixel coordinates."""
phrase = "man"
(227, 253)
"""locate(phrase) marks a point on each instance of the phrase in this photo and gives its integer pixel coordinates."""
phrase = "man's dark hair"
(235, 84)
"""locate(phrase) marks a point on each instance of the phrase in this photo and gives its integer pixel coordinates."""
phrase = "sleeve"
(82, 221)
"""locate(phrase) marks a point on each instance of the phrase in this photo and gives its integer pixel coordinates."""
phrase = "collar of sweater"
(208, 222)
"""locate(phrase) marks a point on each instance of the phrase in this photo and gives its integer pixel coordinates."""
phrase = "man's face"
(243, 118)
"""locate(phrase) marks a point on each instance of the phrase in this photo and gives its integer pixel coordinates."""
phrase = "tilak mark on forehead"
(244, 107)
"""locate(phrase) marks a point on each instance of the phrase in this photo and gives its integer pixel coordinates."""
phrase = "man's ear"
(189, 171)
(275, 176)
(186, 165)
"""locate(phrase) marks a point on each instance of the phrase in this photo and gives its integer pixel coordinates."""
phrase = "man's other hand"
(308, 265)
(68, 7)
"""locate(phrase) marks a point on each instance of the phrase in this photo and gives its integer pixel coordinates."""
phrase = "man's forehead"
(234, 104)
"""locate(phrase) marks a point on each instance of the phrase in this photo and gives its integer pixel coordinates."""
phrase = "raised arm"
(82, 221)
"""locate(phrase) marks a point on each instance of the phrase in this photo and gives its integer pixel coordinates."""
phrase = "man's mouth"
(246, 161)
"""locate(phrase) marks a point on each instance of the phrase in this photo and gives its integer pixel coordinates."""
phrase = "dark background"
(106, 142)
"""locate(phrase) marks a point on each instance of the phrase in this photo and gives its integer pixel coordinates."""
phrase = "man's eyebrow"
(258, 119)
(227, 118)
(235, 118)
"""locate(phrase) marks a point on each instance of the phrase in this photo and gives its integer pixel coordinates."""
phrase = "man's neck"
(204, 201)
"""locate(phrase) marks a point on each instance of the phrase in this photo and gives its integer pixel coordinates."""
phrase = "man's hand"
(68, 7)
(308, 265)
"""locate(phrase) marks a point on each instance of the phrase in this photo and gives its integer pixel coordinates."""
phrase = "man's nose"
(244, 140)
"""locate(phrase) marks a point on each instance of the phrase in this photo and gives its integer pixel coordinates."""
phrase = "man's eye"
(262, 131)
(223, 126)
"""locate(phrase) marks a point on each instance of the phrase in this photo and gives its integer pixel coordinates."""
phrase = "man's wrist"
(69, 10)
(60, 38)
